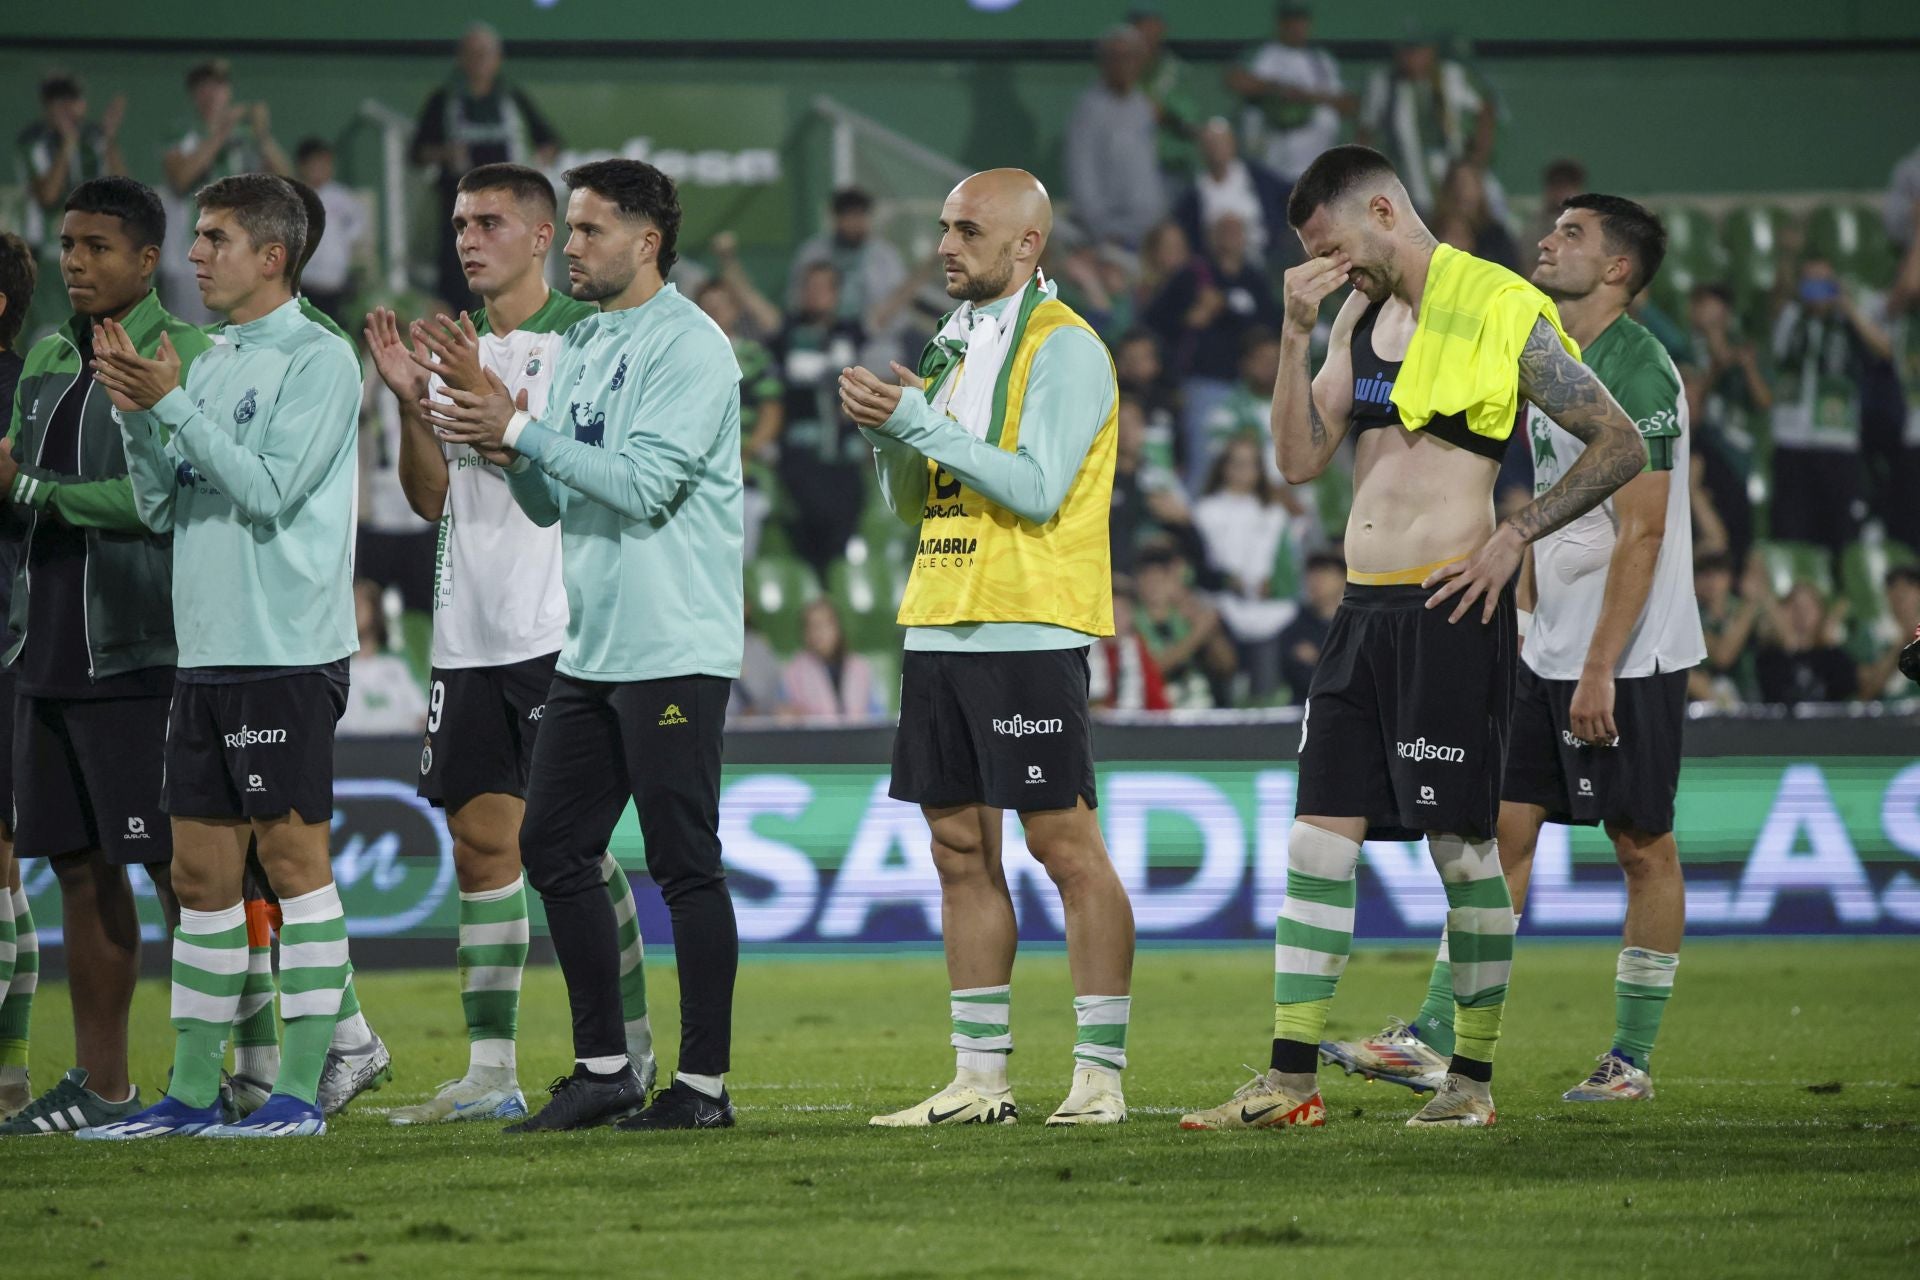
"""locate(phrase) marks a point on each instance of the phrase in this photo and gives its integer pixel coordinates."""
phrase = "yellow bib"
(978, 562)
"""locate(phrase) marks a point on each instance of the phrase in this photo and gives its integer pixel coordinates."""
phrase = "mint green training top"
(251, 466)
(638, 460)
(1072, 390)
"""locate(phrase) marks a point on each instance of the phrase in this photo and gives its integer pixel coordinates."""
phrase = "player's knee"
(1644, 856)
(961, 864)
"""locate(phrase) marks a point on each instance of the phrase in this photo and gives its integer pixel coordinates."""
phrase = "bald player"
(1001, 449)
(1405, 728)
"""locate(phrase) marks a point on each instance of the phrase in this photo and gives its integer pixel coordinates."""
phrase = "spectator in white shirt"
(383, 698)
(327, 280)
(1228, 184)
(1293, 94)
(1245, 528)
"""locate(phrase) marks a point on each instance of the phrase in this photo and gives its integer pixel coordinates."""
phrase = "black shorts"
(1406, 718)
(1631, 785)
(1010, 730)
(481, 723)
(87, 774)
(256, 748)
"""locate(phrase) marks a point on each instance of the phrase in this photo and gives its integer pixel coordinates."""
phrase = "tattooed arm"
(1309, 415)
(1569, 393)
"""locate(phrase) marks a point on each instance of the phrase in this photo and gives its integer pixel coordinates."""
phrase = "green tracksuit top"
(251, 465)
(638, 459)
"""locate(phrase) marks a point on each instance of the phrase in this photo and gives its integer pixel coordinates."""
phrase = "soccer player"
(641, 471)
(1595, 736)
(1001, 448)
(92, 644)
(500, 618)
(1405, 727)
(18, 276)
(250, 464)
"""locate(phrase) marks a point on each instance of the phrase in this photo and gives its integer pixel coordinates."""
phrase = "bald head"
(994, 228)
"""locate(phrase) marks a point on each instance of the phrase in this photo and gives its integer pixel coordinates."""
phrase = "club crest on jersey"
(533, 367)
(244, 411)
(619, 376)
(588, 427)
(185, 476)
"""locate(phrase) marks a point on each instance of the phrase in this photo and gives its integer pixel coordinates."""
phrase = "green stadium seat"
(1863, 574)
(866, 590)
(1791, 562)
(778, 587)
(1751, 235)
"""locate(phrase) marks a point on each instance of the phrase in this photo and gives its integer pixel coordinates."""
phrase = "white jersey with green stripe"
(498, 594)
(1570, 564)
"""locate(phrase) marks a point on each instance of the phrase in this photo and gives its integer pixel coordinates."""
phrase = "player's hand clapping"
(133, 381)
(455, 345)
(869, 401)
(1308, 285)
(403, 370)
(476, 418)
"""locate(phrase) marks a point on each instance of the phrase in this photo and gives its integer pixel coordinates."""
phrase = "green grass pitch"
(1785, 1141)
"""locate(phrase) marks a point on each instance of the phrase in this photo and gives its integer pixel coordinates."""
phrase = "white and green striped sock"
(16, 1006)
(633, 960)
(209, 968)
(1101, 1039)
(1311, 940)
(313, 975)
(1480, 929)
(983, 1031)
(493, 955)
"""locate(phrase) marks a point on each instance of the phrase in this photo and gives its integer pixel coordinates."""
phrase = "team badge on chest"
(244, 411)
(619, 376)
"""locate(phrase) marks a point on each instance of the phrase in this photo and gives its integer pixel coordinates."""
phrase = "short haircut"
(1907, 573)
(1255, 337)
(316, 226)
(851, 200)
(525, 184)
(136, 204)
(269, 209)
(1158, 555)
(1712, 289)
(1327, 560)
(1630, 228)
(18, 276)
(1565, 172)
(1138, 335)
(638, 190)
(310, 147)
(217, 70)
(61, 87)
(1713, 562)
(1333, 173)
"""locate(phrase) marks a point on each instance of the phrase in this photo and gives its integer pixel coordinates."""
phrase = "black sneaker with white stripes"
(681, 1106)
(69, 1107)
(584, 1100)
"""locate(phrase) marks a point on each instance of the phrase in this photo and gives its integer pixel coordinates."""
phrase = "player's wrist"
(510, 435)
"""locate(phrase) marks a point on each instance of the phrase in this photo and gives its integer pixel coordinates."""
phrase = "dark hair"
(1333, 173)
(61, 87)
(525, 184)
(1327, 560)
(711, 284)
(851, 200)
(1256, 336)
(1156, 556)
(1713, 562)
(1262, 482)
(1712, 289)
(1566, 170)
(310, 147)
(1631, 229)
(135, 203)
(316, 226)
(839, 623)
(216, 69)
(638, 190)
(18, 276)
(1903, 573)
(270, 210)
(1138, 334)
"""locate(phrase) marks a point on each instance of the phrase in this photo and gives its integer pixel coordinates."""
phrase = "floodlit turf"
(1785, 1141)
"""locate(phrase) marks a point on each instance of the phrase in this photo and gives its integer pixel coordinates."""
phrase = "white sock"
(350, 1034)
(613, 1064)
(639, 1039)
(985, 1071)
(261, 1061)
(491, 1059)
(712, 1086)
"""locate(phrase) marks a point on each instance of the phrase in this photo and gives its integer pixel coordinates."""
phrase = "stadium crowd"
(1798, 339)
